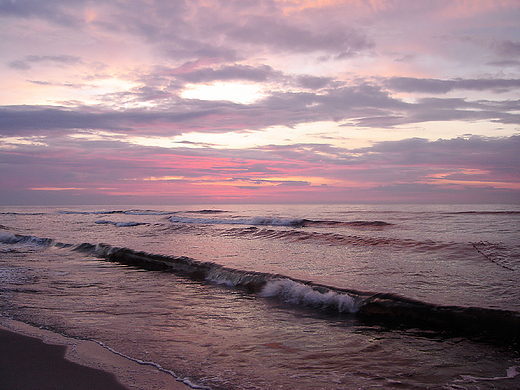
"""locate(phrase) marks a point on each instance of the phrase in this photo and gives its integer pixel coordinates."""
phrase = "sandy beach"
(33, 358)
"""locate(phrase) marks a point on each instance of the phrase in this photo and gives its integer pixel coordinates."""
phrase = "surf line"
(390, 310)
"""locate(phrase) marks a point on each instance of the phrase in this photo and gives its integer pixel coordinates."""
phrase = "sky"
(259, 101)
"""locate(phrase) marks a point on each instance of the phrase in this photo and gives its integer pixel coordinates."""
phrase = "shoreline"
(34, 358)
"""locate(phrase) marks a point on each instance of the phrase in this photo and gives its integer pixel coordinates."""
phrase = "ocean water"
(278, 297)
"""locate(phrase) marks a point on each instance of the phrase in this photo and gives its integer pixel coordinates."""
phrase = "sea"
(278, 296)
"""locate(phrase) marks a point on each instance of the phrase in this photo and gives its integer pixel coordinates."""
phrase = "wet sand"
(32, 358)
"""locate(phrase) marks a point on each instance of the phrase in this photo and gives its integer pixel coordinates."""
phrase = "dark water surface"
(277, 297)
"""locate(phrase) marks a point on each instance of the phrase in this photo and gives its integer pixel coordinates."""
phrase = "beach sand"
(33, 358)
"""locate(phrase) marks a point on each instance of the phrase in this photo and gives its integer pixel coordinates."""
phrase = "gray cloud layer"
(366, 105)
(131, 60)
(409, 84)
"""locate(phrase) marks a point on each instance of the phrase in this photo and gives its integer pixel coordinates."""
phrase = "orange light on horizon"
(56, 188)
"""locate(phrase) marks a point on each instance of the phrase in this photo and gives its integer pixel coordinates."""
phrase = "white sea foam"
(301, 294)
(260, 221)
(186, 381)
(276, 221)
(10, 238)
(511, 373)
(146, 212)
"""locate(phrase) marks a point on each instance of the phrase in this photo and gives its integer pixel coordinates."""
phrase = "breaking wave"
(10, 238)
(263, 221)
(273, 221)
(500, 326)
(298, 293)
(387, 309)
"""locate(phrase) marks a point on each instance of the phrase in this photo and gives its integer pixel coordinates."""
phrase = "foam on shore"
(131, 374)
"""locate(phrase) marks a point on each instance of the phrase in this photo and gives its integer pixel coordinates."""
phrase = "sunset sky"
(255, 101)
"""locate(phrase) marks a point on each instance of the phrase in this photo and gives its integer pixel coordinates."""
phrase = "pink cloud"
(81, 84)
(414, 169)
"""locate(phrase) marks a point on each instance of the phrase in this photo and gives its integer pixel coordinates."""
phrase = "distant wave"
(128, 212)
(119, 224)
(142, 212)
(333, 238)
(273, 221)
(308, 222)
(263, 221)
(486, 212)
(19, 213)
(147, 212)
(207, 211)
(91, 212)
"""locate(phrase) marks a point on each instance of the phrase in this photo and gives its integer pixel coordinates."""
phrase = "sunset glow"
(260, 101)
(233, 92)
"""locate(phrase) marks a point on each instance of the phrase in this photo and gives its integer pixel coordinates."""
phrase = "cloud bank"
(293, 101)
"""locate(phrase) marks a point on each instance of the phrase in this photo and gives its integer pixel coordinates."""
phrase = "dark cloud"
(61, 59)
(57, 60)
(298, 183)
(39, 82)
(35, 119)
(180, 48)
(313, 82)
(55, 11)
(230, 73)
(505, 63)
(278, 35)
(18, 64)
(504, 49)
(507, 48)
(498, 155)
(410, 84)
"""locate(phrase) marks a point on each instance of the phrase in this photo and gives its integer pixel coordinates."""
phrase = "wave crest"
(255, 221)
(10, 238)
(305, 295)
(119, 224)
